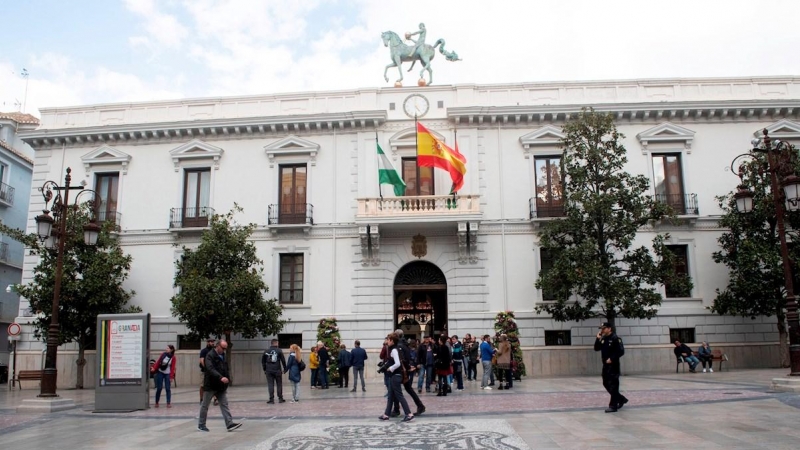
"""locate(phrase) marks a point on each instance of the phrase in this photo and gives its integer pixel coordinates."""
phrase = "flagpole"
(380, 193)
(455, 143)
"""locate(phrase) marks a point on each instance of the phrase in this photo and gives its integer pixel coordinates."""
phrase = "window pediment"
(782, 129)
(105, 154)
(196, 150)
(543, 140)
(666, 132)
(292, 146)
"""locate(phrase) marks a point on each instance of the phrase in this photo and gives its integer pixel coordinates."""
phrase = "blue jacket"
(357, 357)
(486, 351)
(293, 368)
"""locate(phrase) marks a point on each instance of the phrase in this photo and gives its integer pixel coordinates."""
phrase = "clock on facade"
(416, 105)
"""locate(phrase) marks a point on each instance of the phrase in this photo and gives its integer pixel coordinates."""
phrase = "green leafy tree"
(751, 251)
(91, 284)
(328, 334)
(506, 323)
(595, 259)
(221, 285)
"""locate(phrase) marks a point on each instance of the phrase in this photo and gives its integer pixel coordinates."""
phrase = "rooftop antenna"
(25, 98)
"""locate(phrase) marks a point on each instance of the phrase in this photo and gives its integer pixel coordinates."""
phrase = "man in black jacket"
(216, 378)
(274, 364)
(405, 355)
(611, 350)
(324, 362)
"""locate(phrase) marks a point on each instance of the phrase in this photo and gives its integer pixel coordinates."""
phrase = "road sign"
(14, 329)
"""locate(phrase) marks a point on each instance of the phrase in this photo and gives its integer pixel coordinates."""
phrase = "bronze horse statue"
(423, 53)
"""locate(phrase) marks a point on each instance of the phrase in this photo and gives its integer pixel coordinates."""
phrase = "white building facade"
(304, 168)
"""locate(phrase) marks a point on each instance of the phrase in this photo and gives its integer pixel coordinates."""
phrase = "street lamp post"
(44, 224)
(781, 159)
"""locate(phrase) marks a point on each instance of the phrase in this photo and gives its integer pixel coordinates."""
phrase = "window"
(6, 191)
(681, 268)
(419, 180)
(197, 190)
(292, 201)
(287, 339)
(668, 181)
(549, 191)
(681, 334)
(291, 291)
(547, 258)
(187, 343)
(557, 337)
(106, 186)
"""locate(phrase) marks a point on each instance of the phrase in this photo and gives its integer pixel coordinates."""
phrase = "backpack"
(272, 356)
(301, 365)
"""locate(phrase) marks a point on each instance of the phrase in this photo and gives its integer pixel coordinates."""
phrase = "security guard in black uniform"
(611, 349)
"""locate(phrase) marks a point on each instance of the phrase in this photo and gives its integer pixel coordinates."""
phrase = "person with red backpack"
(164, 371)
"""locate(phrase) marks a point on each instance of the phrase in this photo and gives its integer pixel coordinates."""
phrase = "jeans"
(692, 360)
(706, 359)
(505, 373)
(458, 374)
(429, 372)
(409, 387)
(272, 379)
(222, 397)
(344, 376)
(396, 394)
(487, 370)
(358, 372)
(314, 381)
(323, 377)
(420, 377)
(161, 378)
(472, 370)
(295, 390)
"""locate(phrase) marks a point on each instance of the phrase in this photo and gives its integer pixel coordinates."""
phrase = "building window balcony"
(541, 210)
(433, 208)
(111, 216)
(682, 204)
(6, 194)
(190, 217)
(291, 214)
(4, 251)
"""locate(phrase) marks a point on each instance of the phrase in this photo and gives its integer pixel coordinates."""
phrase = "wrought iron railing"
(190, 217)
(4, 251)
(291, 214)
(538, 211)
(112, 216)
(7, 193)
(682, 204)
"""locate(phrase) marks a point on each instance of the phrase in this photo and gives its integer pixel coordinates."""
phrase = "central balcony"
(290, 216)
(180, 218)
(416, 209)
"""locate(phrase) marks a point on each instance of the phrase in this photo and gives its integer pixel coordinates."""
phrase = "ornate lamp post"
(781, 159)
(57, 240)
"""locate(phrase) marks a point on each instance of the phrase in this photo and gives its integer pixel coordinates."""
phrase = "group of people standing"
(320, 364)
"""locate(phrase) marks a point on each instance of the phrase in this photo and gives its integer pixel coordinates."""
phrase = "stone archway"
(420, 299)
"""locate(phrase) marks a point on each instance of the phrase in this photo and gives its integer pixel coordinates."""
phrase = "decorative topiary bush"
(328, 333)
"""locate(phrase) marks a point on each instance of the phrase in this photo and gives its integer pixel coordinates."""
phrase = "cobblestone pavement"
(731, 410)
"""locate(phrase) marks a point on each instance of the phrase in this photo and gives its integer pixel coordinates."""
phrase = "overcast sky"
(81, 52)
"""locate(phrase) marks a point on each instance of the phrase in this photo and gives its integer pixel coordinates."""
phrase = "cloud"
(163, 30)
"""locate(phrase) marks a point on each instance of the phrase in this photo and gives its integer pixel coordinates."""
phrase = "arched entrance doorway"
(420, 300)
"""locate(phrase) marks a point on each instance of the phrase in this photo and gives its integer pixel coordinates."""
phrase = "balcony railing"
(4, 251)
(419, 206)
(541, 211)
(190, 217)
(112, 216)
(291, 214)
(682, 204)
(6, 193)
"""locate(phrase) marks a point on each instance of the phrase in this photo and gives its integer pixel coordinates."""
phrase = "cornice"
(633, 112)
(202, 129)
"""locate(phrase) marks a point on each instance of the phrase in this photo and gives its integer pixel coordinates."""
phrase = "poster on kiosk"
(123, 351)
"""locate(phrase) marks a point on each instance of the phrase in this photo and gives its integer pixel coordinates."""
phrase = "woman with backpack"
(294, 366)
(164, 369)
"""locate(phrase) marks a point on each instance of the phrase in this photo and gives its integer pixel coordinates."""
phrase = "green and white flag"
(388, 175)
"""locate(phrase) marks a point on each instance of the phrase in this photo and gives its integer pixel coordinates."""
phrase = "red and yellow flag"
(432, 152)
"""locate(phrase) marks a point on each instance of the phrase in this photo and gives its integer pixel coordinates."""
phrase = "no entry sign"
(14, 329)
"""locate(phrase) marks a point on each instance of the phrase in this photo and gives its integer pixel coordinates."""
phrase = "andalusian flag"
(388, 175)
(432, 152)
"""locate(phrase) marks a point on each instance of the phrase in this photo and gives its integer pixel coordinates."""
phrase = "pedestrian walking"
(216, 380)
(410, 368)
(611, 350)
(358, 357)
(274, 364)
(202, 363)
(165, 373)
(294, 368)
(394, 367)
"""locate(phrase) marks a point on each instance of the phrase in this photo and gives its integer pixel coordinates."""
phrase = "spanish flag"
(432, 152)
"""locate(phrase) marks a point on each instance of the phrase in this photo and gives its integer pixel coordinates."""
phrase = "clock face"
(416, 105)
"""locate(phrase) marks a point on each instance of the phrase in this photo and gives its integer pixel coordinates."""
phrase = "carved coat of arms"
(419, 246)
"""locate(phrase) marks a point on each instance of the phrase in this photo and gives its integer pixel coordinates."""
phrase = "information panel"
(121, 352)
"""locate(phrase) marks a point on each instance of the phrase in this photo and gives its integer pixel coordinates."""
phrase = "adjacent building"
(16, 169)
(304, 167)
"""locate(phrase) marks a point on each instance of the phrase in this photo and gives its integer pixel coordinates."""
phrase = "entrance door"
(420, 300)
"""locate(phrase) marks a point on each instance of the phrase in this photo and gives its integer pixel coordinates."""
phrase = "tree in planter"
(328, 334)
(593, 249)
(751, 251)
(506, 323)
(221, 285)
(91, 284)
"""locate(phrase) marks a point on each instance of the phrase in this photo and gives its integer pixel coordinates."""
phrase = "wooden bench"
(716, 355)
(28, 375)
